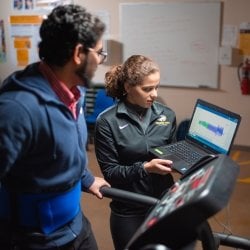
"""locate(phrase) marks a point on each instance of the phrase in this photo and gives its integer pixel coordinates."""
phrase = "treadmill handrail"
(127, 196)
(232, 240)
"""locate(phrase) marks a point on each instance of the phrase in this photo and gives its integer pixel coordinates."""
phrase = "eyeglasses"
(101, 54)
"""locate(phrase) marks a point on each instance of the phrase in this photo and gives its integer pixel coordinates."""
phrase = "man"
(43, 165)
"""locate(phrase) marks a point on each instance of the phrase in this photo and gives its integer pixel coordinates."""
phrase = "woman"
(124, 135)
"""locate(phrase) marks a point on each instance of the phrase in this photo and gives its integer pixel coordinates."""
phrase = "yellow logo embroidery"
(162, 121)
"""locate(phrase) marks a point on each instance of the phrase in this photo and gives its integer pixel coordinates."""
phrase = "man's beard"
(81, 72)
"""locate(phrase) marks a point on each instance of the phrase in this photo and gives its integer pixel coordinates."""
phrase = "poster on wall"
(2, 43)
(50, 4)
(20, 5)
(23, 4)
(24, 32)
(244, 45)
(229, 36)
(24, 29)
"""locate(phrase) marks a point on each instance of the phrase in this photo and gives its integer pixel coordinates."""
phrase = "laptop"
(211, 131)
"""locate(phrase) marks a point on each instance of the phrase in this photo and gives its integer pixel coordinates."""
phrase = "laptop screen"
(213, 127)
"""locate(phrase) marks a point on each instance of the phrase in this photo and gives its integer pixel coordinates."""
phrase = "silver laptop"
(211, 132)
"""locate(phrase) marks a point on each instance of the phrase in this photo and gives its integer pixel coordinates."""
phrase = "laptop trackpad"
(178, 164)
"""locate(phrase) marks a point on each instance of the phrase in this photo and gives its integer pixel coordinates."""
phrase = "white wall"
(180, 99)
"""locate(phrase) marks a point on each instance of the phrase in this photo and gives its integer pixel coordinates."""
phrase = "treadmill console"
(174, 221)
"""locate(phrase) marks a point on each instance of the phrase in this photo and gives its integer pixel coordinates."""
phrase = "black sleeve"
(108, 158)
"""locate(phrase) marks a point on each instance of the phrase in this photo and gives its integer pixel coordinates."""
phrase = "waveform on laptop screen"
(218, 130)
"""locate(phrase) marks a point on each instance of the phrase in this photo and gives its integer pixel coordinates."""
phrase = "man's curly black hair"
(65, 27)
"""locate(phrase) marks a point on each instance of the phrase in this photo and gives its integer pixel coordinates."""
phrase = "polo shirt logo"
(162, 121)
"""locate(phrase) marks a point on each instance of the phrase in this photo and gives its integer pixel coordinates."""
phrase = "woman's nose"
(154, 93)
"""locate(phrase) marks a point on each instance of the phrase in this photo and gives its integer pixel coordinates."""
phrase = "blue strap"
(47, 211)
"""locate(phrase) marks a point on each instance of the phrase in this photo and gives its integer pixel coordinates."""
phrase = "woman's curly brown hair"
(133, 72)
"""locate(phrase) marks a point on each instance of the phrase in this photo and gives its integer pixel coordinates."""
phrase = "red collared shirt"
(68, 96)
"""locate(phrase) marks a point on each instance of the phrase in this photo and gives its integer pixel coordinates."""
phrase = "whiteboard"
(183, 38)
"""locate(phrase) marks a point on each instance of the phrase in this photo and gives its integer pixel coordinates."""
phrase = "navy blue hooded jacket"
(42, 146)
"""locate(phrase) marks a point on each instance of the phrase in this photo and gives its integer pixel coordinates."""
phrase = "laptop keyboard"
(183, 151)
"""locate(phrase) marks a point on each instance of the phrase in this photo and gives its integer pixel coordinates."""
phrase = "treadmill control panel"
(187, 204)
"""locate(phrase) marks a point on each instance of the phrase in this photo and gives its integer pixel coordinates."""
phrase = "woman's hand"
(158, 166)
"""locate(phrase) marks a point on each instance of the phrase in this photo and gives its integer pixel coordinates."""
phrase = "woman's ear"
(126, 87)
(78, 54)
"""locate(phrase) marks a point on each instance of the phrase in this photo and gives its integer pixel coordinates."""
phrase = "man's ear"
(78, 54)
